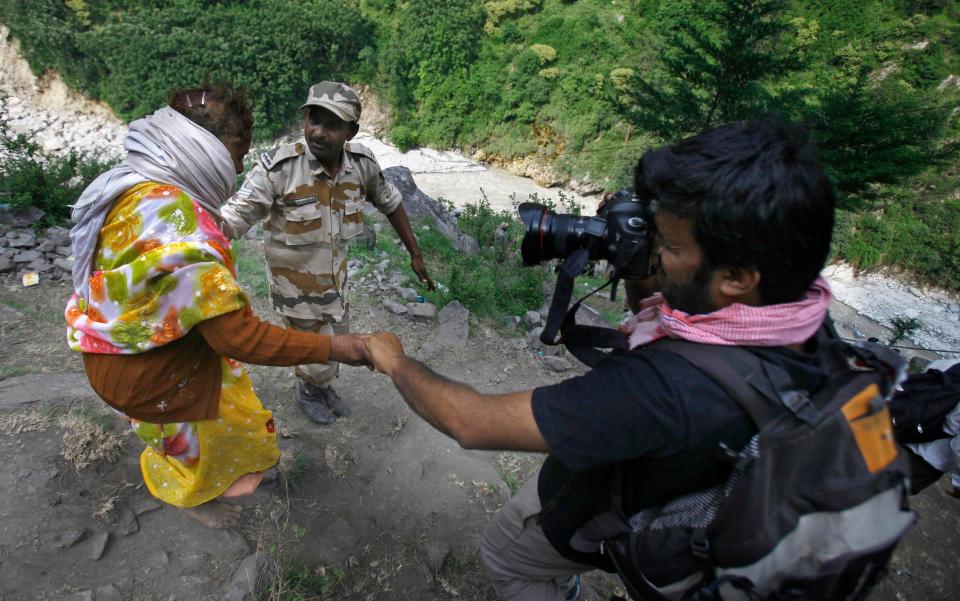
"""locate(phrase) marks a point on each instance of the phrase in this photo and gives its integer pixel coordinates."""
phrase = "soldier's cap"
(338, 98)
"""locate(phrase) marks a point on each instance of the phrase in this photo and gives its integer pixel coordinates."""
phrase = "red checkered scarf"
(734, 325)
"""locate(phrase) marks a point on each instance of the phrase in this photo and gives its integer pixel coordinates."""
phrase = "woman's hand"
(349, 349)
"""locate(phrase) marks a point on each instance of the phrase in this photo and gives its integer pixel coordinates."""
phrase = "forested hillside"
(583, 85)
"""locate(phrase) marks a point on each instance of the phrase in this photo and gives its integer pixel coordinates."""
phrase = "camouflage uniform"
(308, 218)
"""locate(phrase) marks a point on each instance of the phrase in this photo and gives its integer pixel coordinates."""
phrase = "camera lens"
(550, 235)
(536, 221)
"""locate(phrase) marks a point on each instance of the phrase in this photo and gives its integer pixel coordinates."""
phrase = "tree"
(717, 56)
(872, 126)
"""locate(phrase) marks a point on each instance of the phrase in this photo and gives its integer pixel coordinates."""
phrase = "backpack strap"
(736, 370)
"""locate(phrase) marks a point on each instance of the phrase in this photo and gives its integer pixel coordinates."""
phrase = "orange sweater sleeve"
(243, 336)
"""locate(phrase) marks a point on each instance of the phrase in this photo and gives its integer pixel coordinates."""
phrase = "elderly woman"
(159, 316)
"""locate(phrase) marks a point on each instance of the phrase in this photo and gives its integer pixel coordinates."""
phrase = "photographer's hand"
(384, 350)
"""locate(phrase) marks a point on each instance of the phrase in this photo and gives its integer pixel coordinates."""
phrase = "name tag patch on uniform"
(299, 202)
(266, 159)
(245, 191)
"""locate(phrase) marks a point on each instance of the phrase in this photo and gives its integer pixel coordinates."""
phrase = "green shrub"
(403, 137)
(545, 54)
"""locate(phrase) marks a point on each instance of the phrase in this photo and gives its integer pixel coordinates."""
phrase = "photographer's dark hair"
(757, 196)
(221, 109)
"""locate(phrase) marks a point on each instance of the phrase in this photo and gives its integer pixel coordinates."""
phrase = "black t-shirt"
(655, 414)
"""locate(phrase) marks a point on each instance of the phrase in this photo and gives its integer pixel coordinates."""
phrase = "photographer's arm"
(474, 420)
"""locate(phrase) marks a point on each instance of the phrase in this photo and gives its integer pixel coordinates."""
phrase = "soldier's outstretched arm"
(401, 223)
(250, 204)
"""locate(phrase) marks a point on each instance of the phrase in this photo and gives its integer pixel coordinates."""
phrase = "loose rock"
(556, 363)
(424, 312)
(533, 338)
(407, 294)
(142, 505)
(107, 593)
(454, 328)
(26, 256)
(98, 545)
(243, 585)
(429, 350)
(394, 307)
(68, 538)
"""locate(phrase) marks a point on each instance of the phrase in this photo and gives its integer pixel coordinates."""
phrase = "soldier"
(310, 197)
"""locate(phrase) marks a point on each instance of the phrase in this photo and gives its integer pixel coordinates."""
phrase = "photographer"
(744, 219)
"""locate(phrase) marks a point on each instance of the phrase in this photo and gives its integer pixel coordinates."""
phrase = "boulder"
(408, 294)
(27, 256)
(418, 205)
(394, 307)
(243, 585)
(556, 363)
(21, 239)
(422, 311)
(454, 325)
(21, 217)
(60, 236)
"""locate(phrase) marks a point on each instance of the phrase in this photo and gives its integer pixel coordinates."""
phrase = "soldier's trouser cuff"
(319, 374)
(321, 378)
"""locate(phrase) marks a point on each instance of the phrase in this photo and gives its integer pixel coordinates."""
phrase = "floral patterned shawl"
(161, 267)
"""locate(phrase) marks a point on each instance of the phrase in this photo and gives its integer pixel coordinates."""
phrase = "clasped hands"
(379, 350)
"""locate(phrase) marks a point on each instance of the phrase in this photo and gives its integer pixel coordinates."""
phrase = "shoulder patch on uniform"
(279, 154)
(357, 148)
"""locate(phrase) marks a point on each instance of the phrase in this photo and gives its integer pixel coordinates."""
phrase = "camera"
(621, 232)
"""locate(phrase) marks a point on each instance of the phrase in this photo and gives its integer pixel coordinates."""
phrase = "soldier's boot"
(313, 403)
(335, 403)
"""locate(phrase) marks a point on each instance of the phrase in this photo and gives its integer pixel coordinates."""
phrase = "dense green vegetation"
(585, 85)
(132, 54)
(491, 283)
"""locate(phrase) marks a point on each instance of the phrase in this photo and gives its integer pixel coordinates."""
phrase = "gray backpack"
(815, 502)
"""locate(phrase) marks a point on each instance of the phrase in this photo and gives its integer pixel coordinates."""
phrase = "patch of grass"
(337, 461)
(462, 577)
(297, 582)
(29, 421)
(293, 466)
(510, 479)
(12, 371)
(492, 283)
(903, 328)
(86, 440)
(516, 468)
(251, 269)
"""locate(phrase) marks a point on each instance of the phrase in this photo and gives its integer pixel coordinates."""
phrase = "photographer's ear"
(740, 285)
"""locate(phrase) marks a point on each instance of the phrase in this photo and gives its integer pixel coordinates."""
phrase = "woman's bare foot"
(215, 513)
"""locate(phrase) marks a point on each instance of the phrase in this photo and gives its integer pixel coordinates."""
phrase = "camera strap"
(583, 342)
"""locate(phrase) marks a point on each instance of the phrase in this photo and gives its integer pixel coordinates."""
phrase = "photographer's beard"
(691, 294)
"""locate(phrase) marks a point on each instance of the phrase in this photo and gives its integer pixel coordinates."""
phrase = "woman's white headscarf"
(164, 147)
